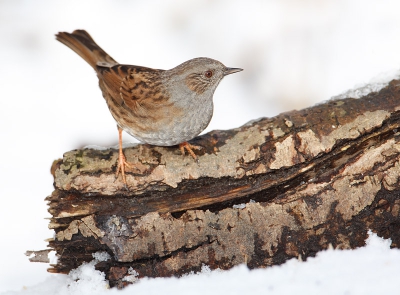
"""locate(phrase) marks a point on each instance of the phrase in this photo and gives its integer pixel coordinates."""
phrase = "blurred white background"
(294, 54)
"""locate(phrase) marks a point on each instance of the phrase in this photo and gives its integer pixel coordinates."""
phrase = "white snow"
(101, 256)
(132, 277)
(372, 269)
(239, 206)
(294, 54)
(52, 257)
(375, 85)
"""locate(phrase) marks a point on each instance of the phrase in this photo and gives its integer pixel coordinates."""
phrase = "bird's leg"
(121, 158)
(189, 148)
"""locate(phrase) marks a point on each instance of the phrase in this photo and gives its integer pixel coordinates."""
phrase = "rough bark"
(273, 189)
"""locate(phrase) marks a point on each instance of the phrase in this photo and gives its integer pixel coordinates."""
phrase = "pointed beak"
(229, 71)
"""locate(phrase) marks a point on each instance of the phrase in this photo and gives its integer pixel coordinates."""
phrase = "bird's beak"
(229, 71)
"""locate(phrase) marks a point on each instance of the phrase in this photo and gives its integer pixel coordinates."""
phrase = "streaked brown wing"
(135, 88)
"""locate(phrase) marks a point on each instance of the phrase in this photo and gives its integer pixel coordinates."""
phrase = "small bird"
(157, 107)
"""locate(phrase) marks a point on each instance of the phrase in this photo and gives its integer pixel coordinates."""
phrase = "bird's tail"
(83, 44)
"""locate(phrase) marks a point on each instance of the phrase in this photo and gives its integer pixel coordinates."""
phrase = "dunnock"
(158, 107)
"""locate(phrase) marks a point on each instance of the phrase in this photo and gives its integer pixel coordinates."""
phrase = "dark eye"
(208, 74)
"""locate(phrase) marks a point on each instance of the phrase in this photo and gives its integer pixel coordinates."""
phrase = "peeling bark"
(306, 179)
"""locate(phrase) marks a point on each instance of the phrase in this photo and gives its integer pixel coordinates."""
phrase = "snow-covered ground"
(294, 54)
(372, 269)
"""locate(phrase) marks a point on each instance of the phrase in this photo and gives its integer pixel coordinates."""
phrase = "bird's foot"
(122, 164)
(187, 146)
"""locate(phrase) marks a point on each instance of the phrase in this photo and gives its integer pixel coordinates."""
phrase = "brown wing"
(137, 89)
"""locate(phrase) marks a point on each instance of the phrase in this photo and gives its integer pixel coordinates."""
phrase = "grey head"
(198, 77)
(190, 88)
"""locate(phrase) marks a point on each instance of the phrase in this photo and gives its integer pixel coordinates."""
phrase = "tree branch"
(299, 182)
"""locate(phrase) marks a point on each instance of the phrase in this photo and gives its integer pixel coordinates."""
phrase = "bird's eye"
(208, 74)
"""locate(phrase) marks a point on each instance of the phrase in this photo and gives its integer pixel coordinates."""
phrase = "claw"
(122, 160)
(189, 148)
(121, 166)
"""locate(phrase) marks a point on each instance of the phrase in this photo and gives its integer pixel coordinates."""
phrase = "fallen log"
(273, 189)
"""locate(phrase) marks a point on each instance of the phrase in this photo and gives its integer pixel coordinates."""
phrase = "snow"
(239, 206)
(375, 85)
(132, 277)
(101, 256)
(294, 55)
(372, 269)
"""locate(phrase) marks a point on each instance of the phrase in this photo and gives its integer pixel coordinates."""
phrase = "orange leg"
(189, 148)
(121, 158)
